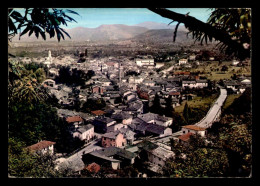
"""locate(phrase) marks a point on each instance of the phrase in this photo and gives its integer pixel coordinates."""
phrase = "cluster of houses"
(238, 85)
(124, 122)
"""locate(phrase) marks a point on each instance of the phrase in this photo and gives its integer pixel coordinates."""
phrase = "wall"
(115, 165)
(155, 160)
(127, 121)
(120, 140)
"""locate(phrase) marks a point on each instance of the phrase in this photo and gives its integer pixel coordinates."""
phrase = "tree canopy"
(230, 26)
(39, 21)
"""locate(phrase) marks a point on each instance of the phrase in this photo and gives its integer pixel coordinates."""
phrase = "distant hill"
(154, 25)
(146, 31)
(103, 32)
(163, 35)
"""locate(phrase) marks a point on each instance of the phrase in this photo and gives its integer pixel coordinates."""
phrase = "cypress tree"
(186, 113)
(169, 109)
(156, 107)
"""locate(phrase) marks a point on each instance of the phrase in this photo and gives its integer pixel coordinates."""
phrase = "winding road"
(214, 112)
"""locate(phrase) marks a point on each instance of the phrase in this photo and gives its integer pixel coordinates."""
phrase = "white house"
(212, 58)
(201, 83)
(159, 155)
(42, 147)
(192, 57)
(156, 119)
(84, 133)
(183, 61)
(144, 62)
(193, 129)
(234, 63)
(189, 83)
(246, 81)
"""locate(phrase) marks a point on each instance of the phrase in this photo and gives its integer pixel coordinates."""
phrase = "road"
(212, 113)
(214, 110)
(78, 155)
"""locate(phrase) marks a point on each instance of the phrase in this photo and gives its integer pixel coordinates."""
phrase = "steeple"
(49, 57)
(120, 71)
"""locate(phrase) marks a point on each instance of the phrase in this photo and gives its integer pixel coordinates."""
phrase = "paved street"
(214, 110)
(92, 146)
(211, 115)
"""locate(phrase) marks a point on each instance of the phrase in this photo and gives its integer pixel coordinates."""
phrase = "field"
(212, 70)
(230, 99)
(197, 102)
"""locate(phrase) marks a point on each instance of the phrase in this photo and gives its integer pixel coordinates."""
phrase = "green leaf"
(71, 11)
(65, 32)
(29, 27)
(43, 35)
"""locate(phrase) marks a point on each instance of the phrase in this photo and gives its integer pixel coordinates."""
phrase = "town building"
(115, 157)
(194, 129)
(102, 123)
(42, 147)
(200, 83)
(84, 133)
(183, 61)
(74, 121)
(156, 119)
(145, 62)
(115, 139)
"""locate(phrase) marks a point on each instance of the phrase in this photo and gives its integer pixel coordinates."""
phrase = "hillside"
(103, 32)
(163, 35)
(142, 32)
(154, 26)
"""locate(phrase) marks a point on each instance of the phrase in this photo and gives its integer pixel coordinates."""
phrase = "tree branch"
(193, 24)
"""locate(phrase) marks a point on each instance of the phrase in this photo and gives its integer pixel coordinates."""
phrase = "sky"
(94, 17)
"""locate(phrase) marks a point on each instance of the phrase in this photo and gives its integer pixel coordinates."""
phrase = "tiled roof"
(162, 153)
(185, 137)
(174, 93)
(111, 151)
(104, 120)
(121, 115)
(41, 145)
(202, 81)
(73, 119)
(93, 167)
(85, 128)
(156, 129)
(98, 112)
(181, 73)
(151, 116)
(188, 81)
(194, 127)
(111, 135)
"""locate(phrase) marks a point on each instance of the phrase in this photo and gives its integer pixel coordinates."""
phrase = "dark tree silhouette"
(39, 21)
(217, 29)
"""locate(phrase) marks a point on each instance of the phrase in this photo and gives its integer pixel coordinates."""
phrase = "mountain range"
(141, 31)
